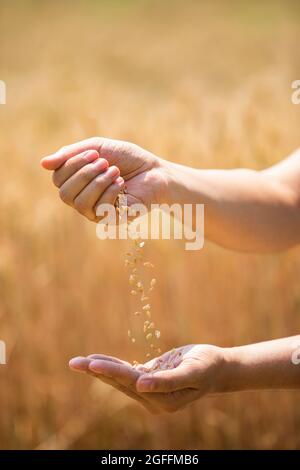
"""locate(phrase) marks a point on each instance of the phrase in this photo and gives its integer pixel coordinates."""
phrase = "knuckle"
(124, 144)
(55, 179)
(95, 141)
(62, 149)
(63, 194)
(80, 205)
(86, 173)
(130, 147)
(99, 181)
(69, 164)
(73, 164)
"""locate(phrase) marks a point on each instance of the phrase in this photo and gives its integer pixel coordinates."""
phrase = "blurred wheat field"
(207, 84)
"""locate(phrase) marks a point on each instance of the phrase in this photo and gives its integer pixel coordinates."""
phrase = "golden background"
(202, 83)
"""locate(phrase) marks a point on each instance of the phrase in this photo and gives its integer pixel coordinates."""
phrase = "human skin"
(201, 370)
(245, 210)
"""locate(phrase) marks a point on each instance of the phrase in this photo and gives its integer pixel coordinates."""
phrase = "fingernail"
(114, 171)
(79, 363)
(101, 163)
(145, 385)
(119, 181)
(90, 156)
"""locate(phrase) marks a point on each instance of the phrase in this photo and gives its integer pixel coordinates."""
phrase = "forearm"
(268, 365)
(245, 210)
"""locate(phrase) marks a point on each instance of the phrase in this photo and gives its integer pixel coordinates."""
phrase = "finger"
(127, 391)
(71, 166)
(111, 193)
(125, 374)
(54, 161)
(86, 200)
(166, 381)
(108, 197)
(79, 364)
(93, 171)
(104, 357)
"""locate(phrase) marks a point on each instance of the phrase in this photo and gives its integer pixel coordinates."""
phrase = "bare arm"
(245, 210)
(268, 365)
(195, 371)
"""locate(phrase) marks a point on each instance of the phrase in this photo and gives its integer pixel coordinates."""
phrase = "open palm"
(164, 384)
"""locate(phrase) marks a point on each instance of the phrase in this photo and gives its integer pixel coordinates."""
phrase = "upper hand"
(196, 372)
(93, 171)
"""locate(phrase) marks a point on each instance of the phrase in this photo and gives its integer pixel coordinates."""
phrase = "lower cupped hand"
(164, 384)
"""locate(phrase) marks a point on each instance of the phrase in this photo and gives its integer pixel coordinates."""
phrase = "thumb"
(54, 161)
(167, 380)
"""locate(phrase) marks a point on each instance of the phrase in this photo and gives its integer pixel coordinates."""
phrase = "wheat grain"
(139, 286)
(147, 264)
(136, 259)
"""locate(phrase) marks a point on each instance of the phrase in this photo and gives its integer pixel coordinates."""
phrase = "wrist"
(176, 182)
(237, 374)
(166, 179)
(185, 185)
(220, 370)
(227, 377)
